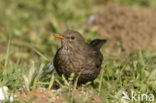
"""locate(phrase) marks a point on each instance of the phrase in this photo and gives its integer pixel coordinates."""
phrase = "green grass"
(137, 3)
(27, 49)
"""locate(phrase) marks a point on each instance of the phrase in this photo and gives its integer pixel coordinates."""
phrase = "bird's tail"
(97, 43)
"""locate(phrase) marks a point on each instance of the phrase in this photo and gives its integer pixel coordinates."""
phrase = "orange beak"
(59, 36)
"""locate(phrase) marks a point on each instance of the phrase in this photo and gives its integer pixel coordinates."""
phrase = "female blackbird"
(78, 57)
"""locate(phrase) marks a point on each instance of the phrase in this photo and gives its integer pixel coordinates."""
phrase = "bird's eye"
(72, 37)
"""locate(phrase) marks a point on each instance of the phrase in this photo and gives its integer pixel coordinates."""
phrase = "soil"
(127, 29)
(57, 96)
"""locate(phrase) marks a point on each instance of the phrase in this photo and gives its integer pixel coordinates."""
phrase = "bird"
(78, 57)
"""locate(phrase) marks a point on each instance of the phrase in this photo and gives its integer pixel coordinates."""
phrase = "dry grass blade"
(37, 76)
(26, 83)
(51, 81)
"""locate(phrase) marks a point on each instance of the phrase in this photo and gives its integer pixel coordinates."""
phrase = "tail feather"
(97, 43)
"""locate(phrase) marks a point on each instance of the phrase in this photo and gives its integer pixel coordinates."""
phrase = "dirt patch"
(58, 96)
(127, 28)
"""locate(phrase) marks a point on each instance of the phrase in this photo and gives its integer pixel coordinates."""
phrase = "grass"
(27, 48)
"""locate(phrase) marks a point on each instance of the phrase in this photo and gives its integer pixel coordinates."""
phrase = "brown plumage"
(78, 57)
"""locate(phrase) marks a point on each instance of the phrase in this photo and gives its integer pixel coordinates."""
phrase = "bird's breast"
(71, 61)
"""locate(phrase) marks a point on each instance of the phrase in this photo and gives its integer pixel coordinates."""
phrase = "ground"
(127, 29)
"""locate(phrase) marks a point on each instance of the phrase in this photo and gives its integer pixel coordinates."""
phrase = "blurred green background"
(30, 24)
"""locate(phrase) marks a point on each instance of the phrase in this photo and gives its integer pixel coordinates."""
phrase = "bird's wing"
(96, 57)
(96, 54)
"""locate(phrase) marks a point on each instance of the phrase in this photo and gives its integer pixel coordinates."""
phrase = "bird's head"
(71, 39)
